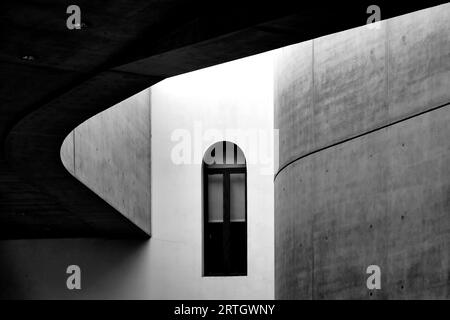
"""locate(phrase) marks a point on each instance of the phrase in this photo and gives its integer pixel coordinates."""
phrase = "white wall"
(235, 96)
(169, 265)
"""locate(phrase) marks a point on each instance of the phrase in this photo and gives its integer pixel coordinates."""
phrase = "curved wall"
(110, 154)
(364, 174)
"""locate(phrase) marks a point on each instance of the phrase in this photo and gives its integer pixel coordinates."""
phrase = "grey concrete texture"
(382, 199)
(345, 84)
(67, 153)
(110, 154)
(365, 157)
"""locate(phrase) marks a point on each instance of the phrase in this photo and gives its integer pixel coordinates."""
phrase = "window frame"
(225, 170)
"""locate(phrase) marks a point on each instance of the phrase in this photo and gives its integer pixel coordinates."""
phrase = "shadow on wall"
(37, 269)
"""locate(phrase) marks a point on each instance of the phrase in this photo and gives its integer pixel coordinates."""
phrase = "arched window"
(225, 211)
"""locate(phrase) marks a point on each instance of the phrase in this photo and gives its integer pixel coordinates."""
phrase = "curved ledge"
(33, 150)
(110, 153)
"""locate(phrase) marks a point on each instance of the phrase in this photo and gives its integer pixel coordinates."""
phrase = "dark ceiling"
(122, 48)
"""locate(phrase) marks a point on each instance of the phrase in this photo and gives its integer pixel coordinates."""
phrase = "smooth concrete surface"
(364, 161)
(125, 269)
(293, 98)
(110, 153)
(362, 79)
(419, 61)
(110, 269)
(238, 97)
(381, 199)
(349, 87)
(67, 153)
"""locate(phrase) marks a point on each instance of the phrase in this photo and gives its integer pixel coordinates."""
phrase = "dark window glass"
(225, 211)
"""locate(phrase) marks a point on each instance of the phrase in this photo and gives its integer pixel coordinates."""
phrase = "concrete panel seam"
(386, 61)
(361, 135)
(73, 152)
(312, 224)
(150, 159)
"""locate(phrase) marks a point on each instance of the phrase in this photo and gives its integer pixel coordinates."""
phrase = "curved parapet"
(110, 154)
(33, 148)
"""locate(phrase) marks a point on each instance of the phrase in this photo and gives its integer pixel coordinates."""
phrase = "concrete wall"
(364, 175)
(110, 153)
(110, 269)
(198, 109)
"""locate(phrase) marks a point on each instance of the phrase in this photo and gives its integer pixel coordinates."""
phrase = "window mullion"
(226, 223)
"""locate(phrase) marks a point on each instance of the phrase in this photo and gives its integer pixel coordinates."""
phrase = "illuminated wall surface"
(362, 175)
(110, 153)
